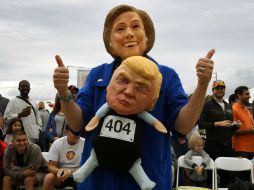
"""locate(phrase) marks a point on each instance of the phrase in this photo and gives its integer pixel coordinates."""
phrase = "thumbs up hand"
(204, 68)
(61, 77)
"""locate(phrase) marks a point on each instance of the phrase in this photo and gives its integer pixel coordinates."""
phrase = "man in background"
(23, 107)
(74, 92)
(3, 103)
(232, 99)
(64, 159)
(217, 118)
(244, 137)
(3, 146)
(23, 163)
(44, 141)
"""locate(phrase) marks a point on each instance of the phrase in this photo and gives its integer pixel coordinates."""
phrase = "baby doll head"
(134, 86)
(196, 142)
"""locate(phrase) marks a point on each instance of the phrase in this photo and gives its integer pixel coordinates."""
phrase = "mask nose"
(129, 90)
(129, 33)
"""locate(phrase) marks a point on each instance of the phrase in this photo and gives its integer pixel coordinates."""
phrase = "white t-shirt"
(67, 156)
(221, 103)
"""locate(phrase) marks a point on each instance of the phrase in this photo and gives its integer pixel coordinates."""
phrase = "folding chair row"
(197, 160)
(232, 164)
(221, 163)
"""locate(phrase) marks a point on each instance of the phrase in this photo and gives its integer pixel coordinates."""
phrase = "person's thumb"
(210, 54)
(59, 61)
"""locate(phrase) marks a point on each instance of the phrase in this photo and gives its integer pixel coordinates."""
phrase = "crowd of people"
(227, 129)
(22, 162)
(128, 96)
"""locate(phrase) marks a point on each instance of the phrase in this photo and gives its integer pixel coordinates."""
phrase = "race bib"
(118, 128)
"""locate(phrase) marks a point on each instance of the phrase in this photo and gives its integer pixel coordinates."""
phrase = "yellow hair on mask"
(145, 68)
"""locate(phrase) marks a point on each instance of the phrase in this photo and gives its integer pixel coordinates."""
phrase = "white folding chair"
(45, 156)
(197, 160)
(232, 164)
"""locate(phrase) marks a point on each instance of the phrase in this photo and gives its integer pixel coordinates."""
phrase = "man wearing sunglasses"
(217, 120)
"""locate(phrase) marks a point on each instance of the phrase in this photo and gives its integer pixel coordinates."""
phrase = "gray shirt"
(59, 119)
(190, 153)
(44, 114)
(32, 158)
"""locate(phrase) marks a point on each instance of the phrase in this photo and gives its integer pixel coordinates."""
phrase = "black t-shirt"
(20, 160)
(117, 145)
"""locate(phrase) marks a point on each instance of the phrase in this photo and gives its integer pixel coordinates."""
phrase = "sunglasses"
(219, 88)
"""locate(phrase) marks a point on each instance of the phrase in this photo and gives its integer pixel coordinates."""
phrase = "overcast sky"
(32, 32)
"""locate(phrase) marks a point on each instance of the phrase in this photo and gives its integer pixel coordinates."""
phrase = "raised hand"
(225, 123)
(204, 68)
(61, 77)
(63, 174)
(25, 112)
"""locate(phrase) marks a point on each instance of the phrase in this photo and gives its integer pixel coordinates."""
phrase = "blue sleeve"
(175, 98)
(85, 98)
(51, 123)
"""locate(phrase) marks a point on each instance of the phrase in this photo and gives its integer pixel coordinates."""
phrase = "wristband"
(66, 98)
(75, 133)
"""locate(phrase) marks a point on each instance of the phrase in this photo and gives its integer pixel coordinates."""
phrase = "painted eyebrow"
(139, 82)
(124, 74)
(135, 21)
(119, 24)
(142, 82)
(122, 23)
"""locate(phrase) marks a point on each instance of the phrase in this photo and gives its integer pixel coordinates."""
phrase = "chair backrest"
(233, 164)
(197, 160)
